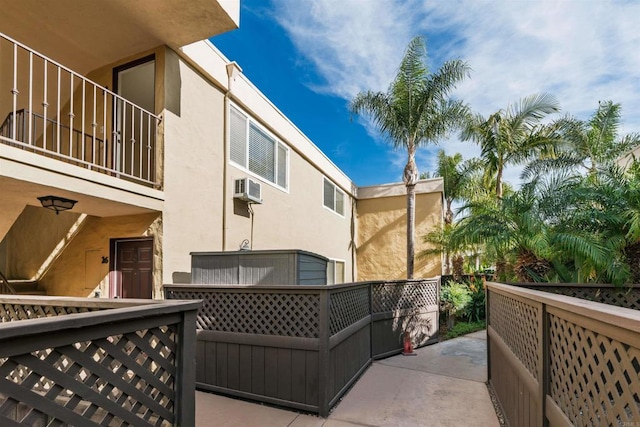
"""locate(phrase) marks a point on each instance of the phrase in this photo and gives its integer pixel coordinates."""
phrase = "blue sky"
(310, 57)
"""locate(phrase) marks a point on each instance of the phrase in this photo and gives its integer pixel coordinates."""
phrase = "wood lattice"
(347, 307)
(286, 314)
(620, 297)
(594, 379)
(404, 296)
(516, 323)
(11, 312)
(118, 380)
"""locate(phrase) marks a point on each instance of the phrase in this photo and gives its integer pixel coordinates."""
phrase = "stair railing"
(5, 286)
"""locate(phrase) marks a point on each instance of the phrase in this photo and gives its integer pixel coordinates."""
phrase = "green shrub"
(475, 310)
(464, 328)
(454, 297)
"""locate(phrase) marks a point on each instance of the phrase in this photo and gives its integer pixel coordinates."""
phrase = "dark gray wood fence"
(80, 361)
(559, 360)
(303, 346)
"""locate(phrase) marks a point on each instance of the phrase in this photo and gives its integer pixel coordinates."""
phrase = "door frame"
(115, 119)
(114, 277)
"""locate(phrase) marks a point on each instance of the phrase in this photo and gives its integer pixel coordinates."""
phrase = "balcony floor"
(443, 385)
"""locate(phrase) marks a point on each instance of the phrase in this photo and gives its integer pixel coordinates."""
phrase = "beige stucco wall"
(198, 214)
(382, 231)
(80, 271)
(33, 237)
(296, 219)
(194, 139)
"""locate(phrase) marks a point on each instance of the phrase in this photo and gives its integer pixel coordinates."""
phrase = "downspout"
(443, 268)
(233, 69)
(353, 238)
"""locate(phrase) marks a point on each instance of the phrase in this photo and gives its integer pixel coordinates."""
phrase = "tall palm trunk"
(499, 183)
(448, 220)
(410, 179)
(411, 225)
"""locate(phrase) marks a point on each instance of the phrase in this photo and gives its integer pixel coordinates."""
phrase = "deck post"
(323, 355)
(186, 375)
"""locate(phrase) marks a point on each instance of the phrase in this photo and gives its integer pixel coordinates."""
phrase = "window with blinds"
(333, 197)
(254, 149)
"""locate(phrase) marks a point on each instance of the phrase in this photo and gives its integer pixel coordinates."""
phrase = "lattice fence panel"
(347, 307)
(516, 322)
(594, 379)
(11, 312)
(286, 314)
(404, 296)
(119, 380)
(624, 297)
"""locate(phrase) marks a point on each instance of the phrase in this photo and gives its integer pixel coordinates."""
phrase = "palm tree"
(457, 178)
(512, 230)
(561, 227)
(514, 135)
(588, 145)
(588, 222)
(416, 110)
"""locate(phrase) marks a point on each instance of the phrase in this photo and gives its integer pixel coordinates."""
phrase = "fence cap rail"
(101, 303)
(302, 288)
(574, 285)
(618, 316)
(114, 311)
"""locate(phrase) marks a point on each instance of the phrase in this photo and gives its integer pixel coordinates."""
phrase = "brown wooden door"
(134, 268)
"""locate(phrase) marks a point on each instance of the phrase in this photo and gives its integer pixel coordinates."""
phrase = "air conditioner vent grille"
(248, 190)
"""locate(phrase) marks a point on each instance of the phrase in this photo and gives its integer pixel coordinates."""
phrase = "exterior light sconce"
(244, 246)
(57, 204)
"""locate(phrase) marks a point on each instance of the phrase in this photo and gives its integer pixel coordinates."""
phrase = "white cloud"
(580, 51)
(354, 45)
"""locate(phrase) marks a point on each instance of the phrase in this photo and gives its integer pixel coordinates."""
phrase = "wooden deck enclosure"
(557, 360)
(303, 346)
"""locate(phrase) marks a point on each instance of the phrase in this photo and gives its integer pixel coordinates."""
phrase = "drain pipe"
(233, 70)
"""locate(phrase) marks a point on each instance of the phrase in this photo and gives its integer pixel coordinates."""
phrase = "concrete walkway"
(442, 386)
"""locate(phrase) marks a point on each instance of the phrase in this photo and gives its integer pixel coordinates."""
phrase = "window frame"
(278, 144)
(336, 190)
(334, 261)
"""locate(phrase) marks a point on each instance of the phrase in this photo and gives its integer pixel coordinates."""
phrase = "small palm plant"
(454, 298)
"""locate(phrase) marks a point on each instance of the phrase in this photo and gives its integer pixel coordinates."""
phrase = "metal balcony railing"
(54, 111)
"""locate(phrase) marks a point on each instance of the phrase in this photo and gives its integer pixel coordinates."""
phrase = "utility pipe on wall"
(233, 69)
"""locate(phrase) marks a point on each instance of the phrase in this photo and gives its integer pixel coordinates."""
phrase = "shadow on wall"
(173, 82)
(34, 237)
(181, 277)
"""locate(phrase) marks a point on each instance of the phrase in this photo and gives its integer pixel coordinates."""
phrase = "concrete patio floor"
(442, 386)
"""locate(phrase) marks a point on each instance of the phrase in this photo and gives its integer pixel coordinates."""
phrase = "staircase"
(20, 287)
(26, 287)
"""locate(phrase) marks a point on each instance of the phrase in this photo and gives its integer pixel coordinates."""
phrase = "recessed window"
(335, 272)
(333, 197)
(254, 149)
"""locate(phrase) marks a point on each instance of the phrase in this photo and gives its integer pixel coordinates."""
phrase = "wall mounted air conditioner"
(248, 190)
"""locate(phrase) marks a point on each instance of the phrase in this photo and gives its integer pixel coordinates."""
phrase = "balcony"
(53, 111)
(86, 36)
